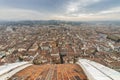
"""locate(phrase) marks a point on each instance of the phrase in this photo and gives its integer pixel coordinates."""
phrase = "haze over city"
(70, 10)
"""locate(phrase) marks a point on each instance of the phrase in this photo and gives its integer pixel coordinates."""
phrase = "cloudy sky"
(78, 10)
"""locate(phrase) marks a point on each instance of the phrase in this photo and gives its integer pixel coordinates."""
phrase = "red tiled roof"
(51, 72)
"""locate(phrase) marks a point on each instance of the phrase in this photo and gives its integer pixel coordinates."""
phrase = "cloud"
(47, 6)
(103, 5)
(59, 9)
(20, 14)
(111, 11)
(110, 14)
(79, 10)
(79, 5)
(25, 14)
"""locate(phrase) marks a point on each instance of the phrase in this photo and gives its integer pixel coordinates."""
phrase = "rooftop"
(51, 72)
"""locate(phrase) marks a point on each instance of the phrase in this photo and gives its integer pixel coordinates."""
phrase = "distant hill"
(40, 22)
(57, 22)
